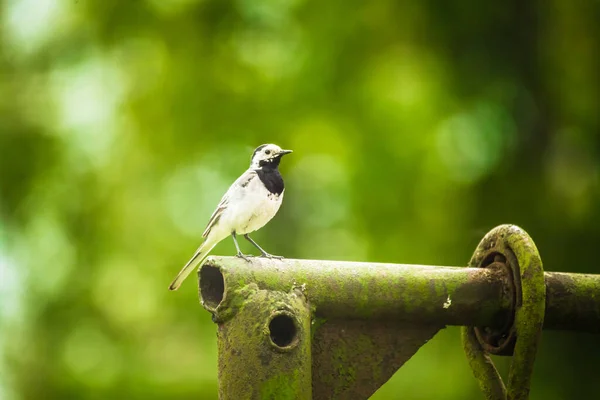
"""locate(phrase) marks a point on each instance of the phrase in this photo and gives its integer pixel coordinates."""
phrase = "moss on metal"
(572, 302)
(483, 367)
(315, 324)
(529, 314)
(426, 294)
(251, 363)
(511, 246)
(359, 322)
(349, 357)
(353, 358)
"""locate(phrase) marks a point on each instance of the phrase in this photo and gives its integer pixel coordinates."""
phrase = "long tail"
(200, 255)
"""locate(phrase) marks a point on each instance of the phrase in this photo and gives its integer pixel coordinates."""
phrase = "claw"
(243, 256)
(267, 255)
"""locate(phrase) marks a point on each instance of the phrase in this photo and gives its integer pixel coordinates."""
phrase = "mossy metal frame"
(314, 329)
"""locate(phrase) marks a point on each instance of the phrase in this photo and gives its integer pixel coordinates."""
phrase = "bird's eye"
(267, 152)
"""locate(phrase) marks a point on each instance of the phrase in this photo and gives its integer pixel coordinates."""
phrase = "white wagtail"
(251, 202)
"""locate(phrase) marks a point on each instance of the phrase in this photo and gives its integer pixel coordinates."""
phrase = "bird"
(249, 203)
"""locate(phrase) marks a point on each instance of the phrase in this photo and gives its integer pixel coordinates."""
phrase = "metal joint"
(508, 246)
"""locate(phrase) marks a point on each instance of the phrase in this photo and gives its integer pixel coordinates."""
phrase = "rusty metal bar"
(572, 302)
(416, 293)
(425, 294)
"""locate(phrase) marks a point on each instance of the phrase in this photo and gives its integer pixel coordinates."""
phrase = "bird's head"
(267, 155)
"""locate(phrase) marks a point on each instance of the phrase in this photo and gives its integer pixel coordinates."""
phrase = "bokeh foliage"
(417, 126)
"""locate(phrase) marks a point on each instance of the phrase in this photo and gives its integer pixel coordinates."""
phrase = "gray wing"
(241, 182)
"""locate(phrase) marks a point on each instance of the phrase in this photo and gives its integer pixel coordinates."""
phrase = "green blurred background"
(417, 127)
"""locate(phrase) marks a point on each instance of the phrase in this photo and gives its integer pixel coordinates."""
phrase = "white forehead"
(265, 150)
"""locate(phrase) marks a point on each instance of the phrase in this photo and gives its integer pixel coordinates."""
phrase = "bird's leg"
(262, 252)
(237, 246)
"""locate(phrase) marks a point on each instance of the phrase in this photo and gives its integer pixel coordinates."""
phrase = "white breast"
(252, 208)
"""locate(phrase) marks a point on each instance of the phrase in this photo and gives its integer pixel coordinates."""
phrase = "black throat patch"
(270, 177)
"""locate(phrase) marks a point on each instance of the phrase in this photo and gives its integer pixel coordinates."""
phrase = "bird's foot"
(267, 255)
(243, 256)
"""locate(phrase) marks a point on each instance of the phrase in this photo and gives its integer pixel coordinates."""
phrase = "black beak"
(284, 152)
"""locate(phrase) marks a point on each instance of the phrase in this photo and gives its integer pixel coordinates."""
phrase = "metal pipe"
(572, 302)
(416, 293)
